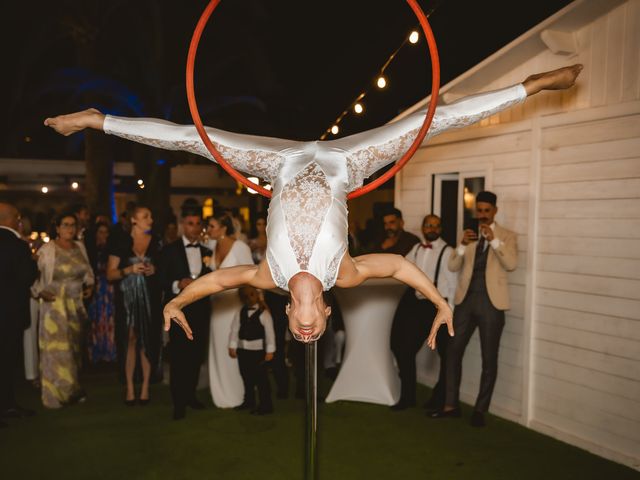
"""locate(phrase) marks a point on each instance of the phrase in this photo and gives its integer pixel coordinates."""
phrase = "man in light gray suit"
(483, 259)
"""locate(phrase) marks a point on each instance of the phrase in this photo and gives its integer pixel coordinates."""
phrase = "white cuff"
(174, 287)
(495, 243)
(233, 345)
(460, 250)
(271, 348)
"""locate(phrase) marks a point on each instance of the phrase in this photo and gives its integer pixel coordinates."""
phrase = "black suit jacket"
(175, 266)
(18, 271)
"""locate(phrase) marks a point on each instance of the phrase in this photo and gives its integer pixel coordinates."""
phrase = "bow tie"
(192, 245)
(426, 245)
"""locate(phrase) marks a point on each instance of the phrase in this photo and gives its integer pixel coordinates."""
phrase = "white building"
(566, 169)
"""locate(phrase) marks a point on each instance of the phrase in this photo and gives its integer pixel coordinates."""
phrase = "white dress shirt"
(426, 260)
(195, 262)
(495, 243)
(258, 344)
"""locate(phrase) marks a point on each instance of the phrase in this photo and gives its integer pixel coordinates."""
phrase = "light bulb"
(358, 108)
(382, 82)
(253, 180)
(75, 185)
(335, 129)
(140, 182)
(44, 189)
(414, 37)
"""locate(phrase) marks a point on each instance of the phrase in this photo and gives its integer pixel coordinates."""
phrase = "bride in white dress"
(225, 382)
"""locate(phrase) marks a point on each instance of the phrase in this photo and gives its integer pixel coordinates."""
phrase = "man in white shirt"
(415, 315)
(182, 262)
(252, 341)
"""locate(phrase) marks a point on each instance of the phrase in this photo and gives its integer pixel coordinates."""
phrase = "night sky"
(281, 68)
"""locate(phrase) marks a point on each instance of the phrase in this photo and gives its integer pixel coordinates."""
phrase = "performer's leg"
(464, 324)
(490, 325)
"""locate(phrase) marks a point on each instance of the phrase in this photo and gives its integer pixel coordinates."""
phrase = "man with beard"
(483, 260)
(415, 314)
(397, 240)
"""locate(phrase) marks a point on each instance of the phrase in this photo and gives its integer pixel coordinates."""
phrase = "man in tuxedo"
(18, 271)
(415, 314)
(482, 296)
(182, 262)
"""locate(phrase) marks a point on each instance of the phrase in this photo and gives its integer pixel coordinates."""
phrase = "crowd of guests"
(96, 292)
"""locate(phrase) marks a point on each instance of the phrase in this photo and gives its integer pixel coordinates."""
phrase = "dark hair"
(76, 207)
(254, 230)
(62, 216)
(225, 220)
(392, 211)
(487, 197)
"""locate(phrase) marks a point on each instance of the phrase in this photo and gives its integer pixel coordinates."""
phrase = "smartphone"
(471, 224)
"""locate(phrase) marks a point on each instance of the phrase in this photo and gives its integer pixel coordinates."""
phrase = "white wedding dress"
(307, 221)
(225, 382)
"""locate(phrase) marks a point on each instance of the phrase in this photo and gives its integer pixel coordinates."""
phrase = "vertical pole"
(311, 378)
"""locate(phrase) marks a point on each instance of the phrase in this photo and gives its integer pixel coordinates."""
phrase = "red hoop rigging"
(197, 121)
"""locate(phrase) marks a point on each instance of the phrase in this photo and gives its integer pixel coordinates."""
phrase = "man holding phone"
(483, 259)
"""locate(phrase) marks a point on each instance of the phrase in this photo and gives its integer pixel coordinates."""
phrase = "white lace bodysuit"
(307, 218)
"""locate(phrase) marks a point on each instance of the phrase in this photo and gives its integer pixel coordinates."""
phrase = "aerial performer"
(307, 223)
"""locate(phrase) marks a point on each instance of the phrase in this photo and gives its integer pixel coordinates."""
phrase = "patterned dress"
(102, 343)
(61, 329)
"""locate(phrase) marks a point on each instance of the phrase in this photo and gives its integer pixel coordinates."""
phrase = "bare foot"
(74, 122)
(559, 79)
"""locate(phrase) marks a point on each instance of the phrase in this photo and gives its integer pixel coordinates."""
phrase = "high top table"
(368, 373)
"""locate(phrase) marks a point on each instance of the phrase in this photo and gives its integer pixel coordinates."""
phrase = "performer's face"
(308, 320)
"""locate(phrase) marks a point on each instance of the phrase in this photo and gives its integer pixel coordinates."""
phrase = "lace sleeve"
(369, 151)
(259, 156)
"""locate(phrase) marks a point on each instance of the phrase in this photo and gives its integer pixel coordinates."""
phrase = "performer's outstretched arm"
(212, 283)
(259, 156)
(385, 265)
(369, 151)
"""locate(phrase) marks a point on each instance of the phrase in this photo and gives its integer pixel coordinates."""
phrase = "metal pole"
(311, 377)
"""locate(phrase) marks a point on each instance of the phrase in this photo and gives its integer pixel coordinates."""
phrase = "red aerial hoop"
(197, 121)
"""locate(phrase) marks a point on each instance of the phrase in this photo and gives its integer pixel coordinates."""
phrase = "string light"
(253, 180)
(44, 189)
(75, 185)
(379, 80)
(140, 181)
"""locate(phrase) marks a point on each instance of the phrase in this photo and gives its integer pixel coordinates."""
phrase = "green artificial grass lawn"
(102, 438)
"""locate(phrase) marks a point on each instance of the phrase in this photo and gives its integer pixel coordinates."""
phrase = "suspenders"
(435, 277)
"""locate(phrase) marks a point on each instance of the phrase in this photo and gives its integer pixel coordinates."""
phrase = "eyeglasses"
(67, 225)
(430, 225)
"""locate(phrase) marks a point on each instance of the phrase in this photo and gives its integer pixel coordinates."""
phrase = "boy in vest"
(252, 342)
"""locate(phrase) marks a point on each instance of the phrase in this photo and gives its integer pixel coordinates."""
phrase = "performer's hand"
(75, 122)
(469, 236)
(172, 312)
(444, 316)
(486, 231)
(268, 357)
(232, 353)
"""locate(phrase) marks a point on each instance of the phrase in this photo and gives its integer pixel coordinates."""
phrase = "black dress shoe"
(196, 405)
(244, 406)
(477, 419)
(455, 413)
(179, 413)
(130, 403)
(143, 402)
